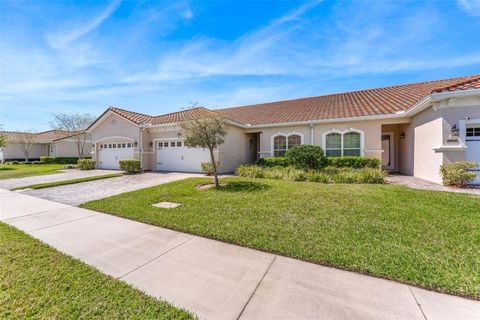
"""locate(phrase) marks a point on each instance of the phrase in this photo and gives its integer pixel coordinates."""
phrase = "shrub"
(354, 162)
(457, 174)
(250, 171)
(70, 166)
(47, 160)
(285, 173)
(317, 176)
(370, 175)
(130, 166)
(327, 175)
(272, 162)
(86, 164)
(306, 157)
(207, 167)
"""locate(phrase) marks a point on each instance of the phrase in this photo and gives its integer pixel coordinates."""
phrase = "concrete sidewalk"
(216, 280)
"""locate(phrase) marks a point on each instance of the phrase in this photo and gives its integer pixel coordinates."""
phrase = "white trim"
(286, 135)
(98, 121)
(392, 150)
(449, 148)
(114, 137)
(362, 139)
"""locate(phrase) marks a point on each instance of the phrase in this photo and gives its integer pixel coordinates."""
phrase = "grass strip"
(39, 282)
(65, 182)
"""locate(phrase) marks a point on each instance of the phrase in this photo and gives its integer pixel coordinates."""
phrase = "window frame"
(286, 136)
(342, 133)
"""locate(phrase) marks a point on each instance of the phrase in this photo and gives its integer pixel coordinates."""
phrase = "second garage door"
(110, 153)
(175, 156)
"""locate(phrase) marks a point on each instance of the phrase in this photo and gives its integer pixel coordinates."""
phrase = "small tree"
(26, 140)
(3, 141)
(77, 123)
(207, 133)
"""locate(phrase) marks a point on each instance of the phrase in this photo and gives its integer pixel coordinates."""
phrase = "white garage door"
(175, 156)
(473, 148)
(110, 153)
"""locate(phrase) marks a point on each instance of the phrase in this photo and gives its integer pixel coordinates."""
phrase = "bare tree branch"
(76, 123)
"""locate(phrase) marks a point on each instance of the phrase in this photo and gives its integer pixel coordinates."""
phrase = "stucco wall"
(432, 129)
(372, 131)
(236, 149)
(112, 129)
(14, 151)
(68, 147)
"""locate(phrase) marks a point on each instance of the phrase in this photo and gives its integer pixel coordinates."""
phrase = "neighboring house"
(55, 143)
(412, 128)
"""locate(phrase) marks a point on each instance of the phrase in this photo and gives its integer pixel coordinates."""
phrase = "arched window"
(294, 140)
(282, 142)
(351, 144)
(333, 146)
(279, 146)
(340, 144)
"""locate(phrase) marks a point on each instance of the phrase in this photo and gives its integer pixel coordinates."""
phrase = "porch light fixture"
(179, 134)
(455, 131)
(151, 144)
(402, 135)
(135, 144)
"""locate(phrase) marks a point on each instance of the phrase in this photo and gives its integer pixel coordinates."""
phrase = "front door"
(388, 159)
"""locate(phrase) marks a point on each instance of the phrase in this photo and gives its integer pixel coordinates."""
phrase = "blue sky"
(159, 57)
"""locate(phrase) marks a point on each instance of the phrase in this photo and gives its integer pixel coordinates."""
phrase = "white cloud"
(59, 40)
(470, 6)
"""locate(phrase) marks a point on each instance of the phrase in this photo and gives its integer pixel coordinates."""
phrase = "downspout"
(312, 134)
(141, 147)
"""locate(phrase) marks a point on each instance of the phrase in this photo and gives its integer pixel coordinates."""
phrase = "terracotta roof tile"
(371, 102)
(38, 137)
(379, 101)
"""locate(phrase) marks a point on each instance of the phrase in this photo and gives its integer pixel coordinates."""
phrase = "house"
(412, 128)
(55, 143)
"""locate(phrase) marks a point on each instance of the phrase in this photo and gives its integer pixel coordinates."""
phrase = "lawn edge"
(66, 182)
(85, 264)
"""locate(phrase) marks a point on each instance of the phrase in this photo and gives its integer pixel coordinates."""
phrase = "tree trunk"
(214, 165)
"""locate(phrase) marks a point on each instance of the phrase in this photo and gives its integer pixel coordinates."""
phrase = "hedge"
(339, 162)
(130, 166)
(326, 175)
(86, 164)
(272, 162)
(61, 160)
(354, 162)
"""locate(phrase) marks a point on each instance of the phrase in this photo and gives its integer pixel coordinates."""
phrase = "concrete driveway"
(216, 280)
(76, 194)
(64, 175)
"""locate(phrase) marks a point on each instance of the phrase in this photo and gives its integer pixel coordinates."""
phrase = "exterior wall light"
(402, 135)
(455, 131)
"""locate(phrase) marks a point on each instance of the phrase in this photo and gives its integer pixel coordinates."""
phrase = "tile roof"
(371, 102)
(38, 137)
(379, 101)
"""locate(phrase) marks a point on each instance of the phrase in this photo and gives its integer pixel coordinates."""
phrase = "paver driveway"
(64, 175)
(216, 280)
(76, 194)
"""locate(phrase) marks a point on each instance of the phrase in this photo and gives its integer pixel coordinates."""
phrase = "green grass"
(10, 171)
(427, 238)
(73, 181)
(38, 282)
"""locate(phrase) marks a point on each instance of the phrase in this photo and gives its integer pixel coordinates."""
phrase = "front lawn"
(427, 238)
(38, 282)
(10, 171)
